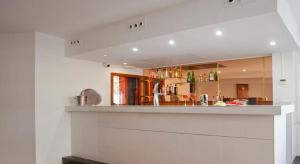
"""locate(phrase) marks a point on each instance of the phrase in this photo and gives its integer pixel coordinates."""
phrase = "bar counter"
(242, 110)
(181, 134)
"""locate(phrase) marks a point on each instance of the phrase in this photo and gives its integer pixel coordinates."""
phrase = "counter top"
(227, 110)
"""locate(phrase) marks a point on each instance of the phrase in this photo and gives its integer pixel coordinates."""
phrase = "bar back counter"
(179, 134)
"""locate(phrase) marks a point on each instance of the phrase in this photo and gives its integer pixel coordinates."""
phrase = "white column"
(285, 67)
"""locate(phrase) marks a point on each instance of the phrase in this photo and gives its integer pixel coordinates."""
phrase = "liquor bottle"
(216, 76)
(192, 83)
(161, 85)
(193, 79)
(167, 90)
(166, 73)
(171, 73)
(175, 89)
(189, 77)
(211, 76)
(205, 77)
(158, 74)
(213, 100)
(176, 73)
(201, 78)
(170, 89)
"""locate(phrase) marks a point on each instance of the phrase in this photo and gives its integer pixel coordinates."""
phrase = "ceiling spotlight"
(125, 63)
(244, 70)
(219, 33)
(171, 42)
(135, 49)
(105, 55)
(273, 43)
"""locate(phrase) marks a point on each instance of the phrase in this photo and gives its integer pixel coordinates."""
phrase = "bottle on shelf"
(159, 88)
(205, 77)
(175, 89)
(214, 100)
(201, 78)
(192, 83)
(189, 78)
(193, 79)
(216, 76)
(171, 72)
(167, 90)
(180, 72)
(166, 73)
(158, 74)
(211, 76)
(176, 73)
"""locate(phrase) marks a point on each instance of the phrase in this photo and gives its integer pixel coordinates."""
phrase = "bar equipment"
(204, 100)
(88, 97)
(81, 100)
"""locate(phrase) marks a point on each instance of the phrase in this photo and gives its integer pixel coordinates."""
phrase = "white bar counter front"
(179, 134)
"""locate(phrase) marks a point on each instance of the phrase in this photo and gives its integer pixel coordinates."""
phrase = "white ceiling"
(66, 17)
(248, 37)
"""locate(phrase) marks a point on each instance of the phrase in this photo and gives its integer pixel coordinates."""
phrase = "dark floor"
(76, 160)
(297, 160)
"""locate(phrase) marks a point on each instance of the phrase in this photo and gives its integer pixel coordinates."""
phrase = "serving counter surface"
(231, 110)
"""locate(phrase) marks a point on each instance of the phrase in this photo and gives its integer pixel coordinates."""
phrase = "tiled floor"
(297, 161)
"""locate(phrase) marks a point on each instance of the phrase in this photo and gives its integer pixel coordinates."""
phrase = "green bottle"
(189, 79)
(193, 80)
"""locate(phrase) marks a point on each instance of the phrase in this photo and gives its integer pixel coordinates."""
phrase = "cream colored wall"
(228, 87)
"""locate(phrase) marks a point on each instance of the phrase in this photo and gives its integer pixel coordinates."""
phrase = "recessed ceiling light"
(125, 63)
(244, 70)
(171, 42)
(273, 43)
(105, 55)
(135, 49)
(219, 33)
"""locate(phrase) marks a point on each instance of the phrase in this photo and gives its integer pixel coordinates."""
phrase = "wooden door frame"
(237, 90)
(139, 77)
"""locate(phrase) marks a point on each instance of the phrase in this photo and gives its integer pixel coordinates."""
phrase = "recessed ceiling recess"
(231, 3)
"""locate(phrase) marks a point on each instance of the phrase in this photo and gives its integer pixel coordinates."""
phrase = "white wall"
(17, 134)
(58, 79)
(297, 115)
(105, 74)
(285, 67)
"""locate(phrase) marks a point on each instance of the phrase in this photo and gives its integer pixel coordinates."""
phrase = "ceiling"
(67, 17)
(248, 37)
